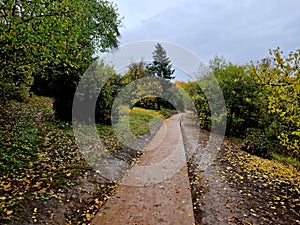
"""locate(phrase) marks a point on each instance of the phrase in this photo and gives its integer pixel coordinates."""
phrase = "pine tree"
(161, 65)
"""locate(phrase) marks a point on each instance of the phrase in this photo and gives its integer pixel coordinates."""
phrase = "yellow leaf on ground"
(9, 212)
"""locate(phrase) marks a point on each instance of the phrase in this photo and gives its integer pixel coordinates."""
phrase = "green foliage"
(257, 143)
(138, 120)
(96, 93)
(286, 160)
(167, 112)
(142, 88)
(281, 77)
(20, 136)
(39, 157)
(173, 97)
(138, 70)
(204, 98)
(262, 102)
(147, 103)
(144, 82)
(217, 63)
(242, 96)
(185, 102)
(53, 41)
(200, 102)
(161, 65)
(107, 94)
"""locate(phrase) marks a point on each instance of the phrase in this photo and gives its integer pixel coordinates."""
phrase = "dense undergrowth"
(39, 157)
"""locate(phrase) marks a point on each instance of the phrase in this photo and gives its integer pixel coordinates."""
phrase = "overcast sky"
(240, 30)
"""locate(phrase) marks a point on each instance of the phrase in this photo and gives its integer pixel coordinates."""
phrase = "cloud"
(240, 30)
(135, 11)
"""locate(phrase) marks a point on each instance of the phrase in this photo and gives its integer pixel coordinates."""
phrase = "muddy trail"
(239, 188)
(227, 185)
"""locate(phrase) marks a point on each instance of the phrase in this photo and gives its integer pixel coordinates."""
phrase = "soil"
(217, 197)
(85, 194)
(70, 204)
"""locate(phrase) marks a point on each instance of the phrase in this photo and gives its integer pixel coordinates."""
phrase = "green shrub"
(19, 133)
(257, 143)
(167, 112)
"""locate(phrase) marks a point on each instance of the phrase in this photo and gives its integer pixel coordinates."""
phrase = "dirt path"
(157, 189)
(237, 188)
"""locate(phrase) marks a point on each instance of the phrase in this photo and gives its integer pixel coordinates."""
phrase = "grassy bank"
(140, 120)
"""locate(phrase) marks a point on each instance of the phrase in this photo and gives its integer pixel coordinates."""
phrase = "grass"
(135, 122)
(148, 112)
(237, 140)
(140, 120)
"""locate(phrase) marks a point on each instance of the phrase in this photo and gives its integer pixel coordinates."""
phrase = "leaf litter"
(44, 177)
(239, 188)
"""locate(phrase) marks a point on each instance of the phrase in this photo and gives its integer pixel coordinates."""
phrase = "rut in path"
(157, 189)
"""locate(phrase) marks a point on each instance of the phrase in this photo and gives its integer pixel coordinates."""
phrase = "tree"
(161, 65)
(217, 63)
(281, 77)
(241, 93)
(53, 41)
(107, 94)
(244, 104)
(136, 71)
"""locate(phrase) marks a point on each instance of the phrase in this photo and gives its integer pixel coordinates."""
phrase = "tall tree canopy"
(52, 41)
